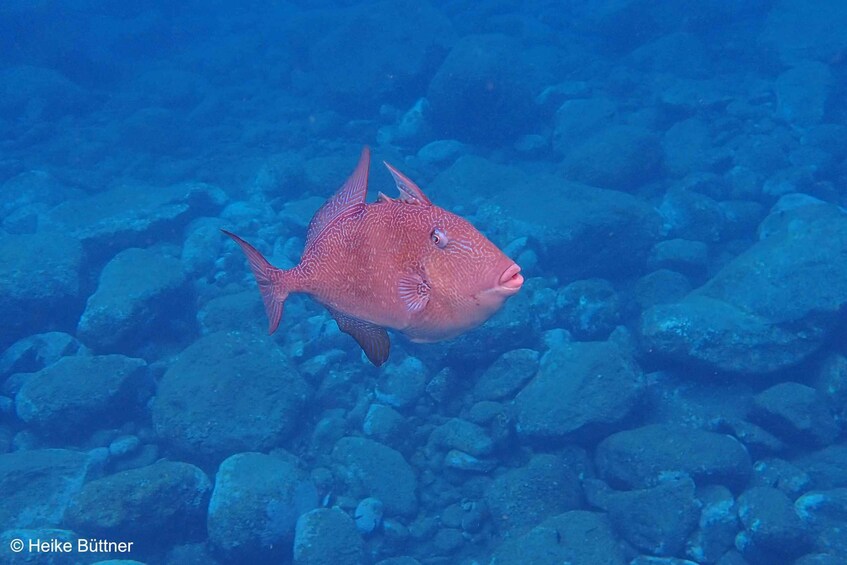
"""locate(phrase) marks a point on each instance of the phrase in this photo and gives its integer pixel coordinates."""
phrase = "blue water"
(669, 385)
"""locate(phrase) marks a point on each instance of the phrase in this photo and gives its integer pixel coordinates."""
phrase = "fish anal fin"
(373, 339)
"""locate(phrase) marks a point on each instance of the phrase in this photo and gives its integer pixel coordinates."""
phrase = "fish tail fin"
(271, 281)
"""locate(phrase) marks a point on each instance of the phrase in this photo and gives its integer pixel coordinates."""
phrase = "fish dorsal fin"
(381, 197)
(373, 339)
(409, 191)
(350, 194)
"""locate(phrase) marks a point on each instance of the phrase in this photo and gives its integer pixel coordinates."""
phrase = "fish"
(401, 264)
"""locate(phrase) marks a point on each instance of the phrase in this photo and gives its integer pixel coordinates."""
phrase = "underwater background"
(669, 387)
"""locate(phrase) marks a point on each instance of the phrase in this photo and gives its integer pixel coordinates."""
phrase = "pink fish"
(402, 264)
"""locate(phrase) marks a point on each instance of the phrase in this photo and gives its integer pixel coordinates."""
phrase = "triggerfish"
(397, 263)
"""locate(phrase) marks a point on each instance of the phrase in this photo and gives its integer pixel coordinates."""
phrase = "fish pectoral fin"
(373, 339)
(414, 292)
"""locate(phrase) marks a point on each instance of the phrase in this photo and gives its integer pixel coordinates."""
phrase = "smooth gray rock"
(39, 485)
(638, 458)
(577, 537)
(581, 389)
(33, 353)
(401, 385)
(39, 289)
(505, 377)
(255, 505)
(772, 529)
(228, 392)
(327, 536)
(369, 468)
(165, 501)
(139, 297)
(717, 525)
(460, 434)
(618, 157)
(132, 216)
(78, 393)
(521, 498)
(797, 413)
(767, 309)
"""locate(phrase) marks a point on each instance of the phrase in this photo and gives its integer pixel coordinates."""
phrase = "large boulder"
(226, 393)
(581, 231)
(484, 90)
(577, 537)
(327, 536)
(798, 31)
(255, 505)
(132, 216)
(521, 498)
(138, 299)
(369, 468)
(163, 501)
(581, 389)
(352, 73)
(767, 309)
(33, 353)
(76, 394)
(38, 486)
(639, 458)
(39, 289)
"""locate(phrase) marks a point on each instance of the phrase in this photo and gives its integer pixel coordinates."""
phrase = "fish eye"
(438, 237)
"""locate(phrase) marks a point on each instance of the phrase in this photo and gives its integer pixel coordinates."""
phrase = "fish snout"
(511, 280)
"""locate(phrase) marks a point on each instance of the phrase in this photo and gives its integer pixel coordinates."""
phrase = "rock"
(401, 385)
(132, 216)
(798, 32)
(603, 233)
(681, 255)
(255, 505)
(230, 312)
(577, 537)
(588, 309)
(522, 498)
(692, 216)
(138, 300)
(357, 75)
(618, 157)
(199, 408)
(39, 485)
(827, 467)
(825, 514)
(580, 390)
(803, 93)
(503, 378)
(123, 446)
(442, 152)
(33, 353)
(718, 525)
(448, 541)
(462, 435)
(461, 461)
(796, 413)
(638, 458)
(657, 520)
(369, 468)
(38, 93)
(689, 146)
(385, 425)
(773, 531)
(831, 381)
(40, 288)
(484, 76)
(782, 475)
(78, 394)
(163, 501)
(579, 118)
(327, 536)
(368, 516)
(767, 309)
(202, 247)
(661, 287)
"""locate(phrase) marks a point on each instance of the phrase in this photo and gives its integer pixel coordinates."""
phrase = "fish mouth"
(511, 280)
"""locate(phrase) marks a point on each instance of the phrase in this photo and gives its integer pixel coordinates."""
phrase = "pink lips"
(511, 279)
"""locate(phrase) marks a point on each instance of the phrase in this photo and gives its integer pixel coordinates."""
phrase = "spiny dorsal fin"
(409, 191)
(351, 193)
